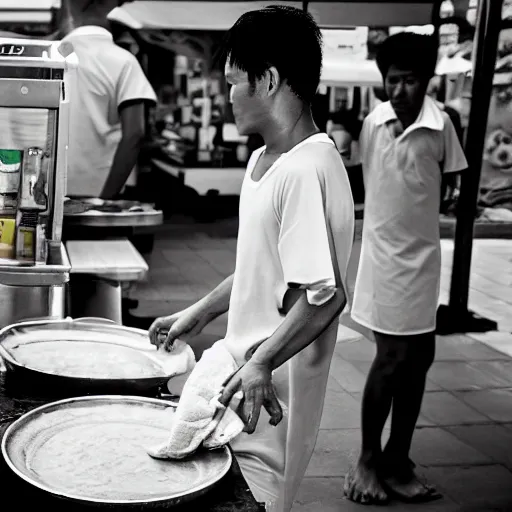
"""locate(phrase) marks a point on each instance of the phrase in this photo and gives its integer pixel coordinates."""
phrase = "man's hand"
(255, 381)
(184, 325)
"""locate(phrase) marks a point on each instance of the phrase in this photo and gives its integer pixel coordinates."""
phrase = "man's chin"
(397, 107)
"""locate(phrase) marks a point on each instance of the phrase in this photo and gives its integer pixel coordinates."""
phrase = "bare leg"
(398, 471)
(362, 483)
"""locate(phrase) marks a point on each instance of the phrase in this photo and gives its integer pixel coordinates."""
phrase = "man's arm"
(216, 303)
(132, 126)
(302, 325)
(191, 321)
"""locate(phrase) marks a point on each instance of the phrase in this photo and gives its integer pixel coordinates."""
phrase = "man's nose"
(398, 90)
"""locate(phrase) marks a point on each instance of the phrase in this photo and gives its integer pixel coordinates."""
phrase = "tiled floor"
(490, 293)
(463, 443)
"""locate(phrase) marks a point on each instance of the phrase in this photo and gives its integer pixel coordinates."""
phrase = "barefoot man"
(407, 144)
(294, 242)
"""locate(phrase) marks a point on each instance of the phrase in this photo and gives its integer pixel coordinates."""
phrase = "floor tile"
(465, 348)
(347, 375)
(477, 488)
(443, 408)
(492, 440)
(341, 410)
(326, 495)
(461, 376)
(499, 341)
(360, 350)
(335, 451)
(500, 370)
(437, 447)
(494, 403)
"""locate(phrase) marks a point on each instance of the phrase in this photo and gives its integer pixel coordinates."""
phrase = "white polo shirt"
(397, 284)
(107, 77)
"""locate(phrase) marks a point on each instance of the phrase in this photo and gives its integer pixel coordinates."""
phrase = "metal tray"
(37, 433)
(145, 215)
(67, 385)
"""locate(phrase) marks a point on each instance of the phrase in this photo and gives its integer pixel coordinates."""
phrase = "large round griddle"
(73, 332)
(58, 447)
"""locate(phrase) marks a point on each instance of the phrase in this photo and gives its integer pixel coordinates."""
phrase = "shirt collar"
(429, 117)
(88, 31)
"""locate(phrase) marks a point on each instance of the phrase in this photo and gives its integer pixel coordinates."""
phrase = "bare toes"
(362, 486)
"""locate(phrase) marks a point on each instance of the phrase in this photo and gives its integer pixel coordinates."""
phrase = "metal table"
(230, 495)
(147, 217)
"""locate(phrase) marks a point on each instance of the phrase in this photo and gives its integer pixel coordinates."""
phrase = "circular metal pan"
(93, 450)
(82, 333)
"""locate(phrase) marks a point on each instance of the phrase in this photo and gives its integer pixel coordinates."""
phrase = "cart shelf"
(54, 273)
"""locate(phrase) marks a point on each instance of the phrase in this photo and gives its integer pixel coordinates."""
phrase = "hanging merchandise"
(472, 12)
(448, 31)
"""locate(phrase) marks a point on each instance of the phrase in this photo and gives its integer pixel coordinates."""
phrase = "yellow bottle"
(7, 236)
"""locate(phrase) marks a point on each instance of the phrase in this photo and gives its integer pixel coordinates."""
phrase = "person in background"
(407, 144)
(294, 243)
(107, 112)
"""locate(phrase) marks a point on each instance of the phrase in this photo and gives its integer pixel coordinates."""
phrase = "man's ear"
(273, 81)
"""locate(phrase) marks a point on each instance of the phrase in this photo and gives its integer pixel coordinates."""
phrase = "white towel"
(200, 418)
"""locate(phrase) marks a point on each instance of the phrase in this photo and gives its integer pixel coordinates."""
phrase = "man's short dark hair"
(409, 51)
(279, 36)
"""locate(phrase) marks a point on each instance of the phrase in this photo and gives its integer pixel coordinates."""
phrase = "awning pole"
(457, 318)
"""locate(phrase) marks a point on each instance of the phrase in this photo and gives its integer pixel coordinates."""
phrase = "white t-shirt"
(107, 77)
(397, 284)
(283, 238)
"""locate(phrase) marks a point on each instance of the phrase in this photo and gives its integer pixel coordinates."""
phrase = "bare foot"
(362, 486)
(402, 483)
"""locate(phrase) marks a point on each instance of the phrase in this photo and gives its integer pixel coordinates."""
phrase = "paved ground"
(463, 443)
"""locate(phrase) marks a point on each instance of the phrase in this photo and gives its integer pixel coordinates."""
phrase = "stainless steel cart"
(35, 79)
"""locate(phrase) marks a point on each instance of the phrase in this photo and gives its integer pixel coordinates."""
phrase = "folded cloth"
(179, 361)
(200, 418)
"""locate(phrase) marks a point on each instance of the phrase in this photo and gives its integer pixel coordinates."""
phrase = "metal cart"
(35, 77)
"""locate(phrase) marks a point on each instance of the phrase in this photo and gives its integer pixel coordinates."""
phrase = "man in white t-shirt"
(107, 121)
(294, 243)
(407, 144)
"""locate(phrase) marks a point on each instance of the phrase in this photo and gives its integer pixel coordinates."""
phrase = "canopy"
(344, 72)
(27, 11)
(213, 15)
(350, 73)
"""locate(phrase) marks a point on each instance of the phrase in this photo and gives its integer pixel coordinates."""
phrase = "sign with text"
(27, 51)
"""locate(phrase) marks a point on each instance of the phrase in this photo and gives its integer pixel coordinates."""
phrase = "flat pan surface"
(94, 449)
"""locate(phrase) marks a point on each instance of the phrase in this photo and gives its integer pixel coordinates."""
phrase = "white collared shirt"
(397, 285)
(107, 77)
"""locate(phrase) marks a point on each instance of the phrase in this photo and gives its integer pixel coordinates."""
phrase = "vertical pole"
(484, 61)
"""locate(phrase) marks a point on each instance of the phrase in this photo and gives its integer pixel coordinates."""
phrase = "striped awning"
(213, 15)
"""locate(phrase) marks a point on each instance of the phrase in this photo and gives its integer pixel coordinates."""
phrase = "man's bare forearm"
(124, 161)
(216, 302)
(301, 326)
